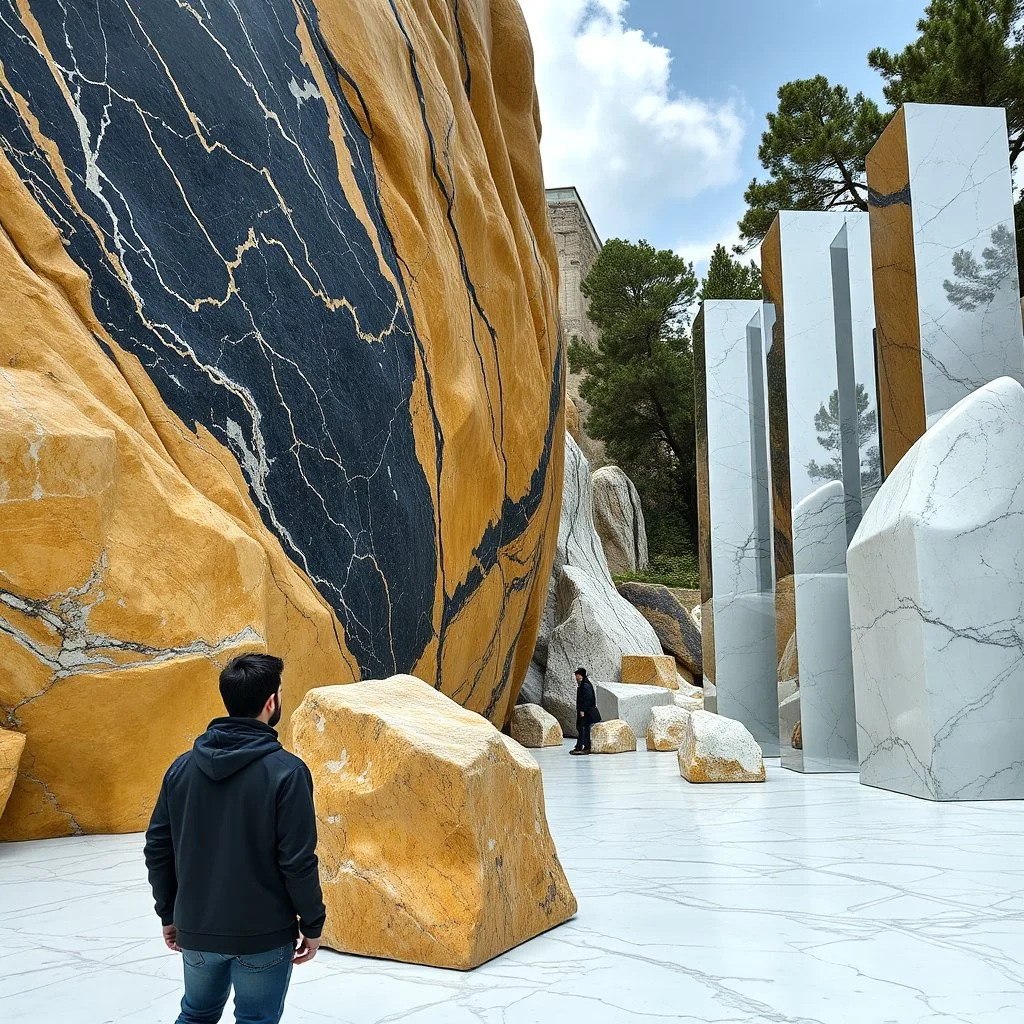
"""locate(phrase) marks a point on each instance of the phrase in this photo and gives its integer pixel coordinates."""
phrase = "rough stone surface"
(11, 746)
(630, 703)
(677, 630)
(434, 847)
(620, 521)
(689, 697)
(650, 670)
(614, 737)
(532, 690)
(665, 731)
(716, 749)
(596, 628)
(577, 245)
(532, 726)
(280, 368)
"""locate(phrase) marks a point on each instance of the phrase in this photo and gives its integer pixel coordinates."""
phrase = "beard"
(275, 716)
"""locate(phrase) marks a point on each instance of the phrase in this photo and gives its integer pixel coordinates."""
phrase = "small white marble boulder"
(631, 703)
(665, 731)
(532, 726)
(614, 737)
(717, 749)
(936, 576)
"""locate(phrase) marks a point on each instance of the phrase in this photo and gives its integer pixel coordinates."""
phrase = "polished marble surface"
(809, 900)
(823, 427)
(937, 609)
(735, 516)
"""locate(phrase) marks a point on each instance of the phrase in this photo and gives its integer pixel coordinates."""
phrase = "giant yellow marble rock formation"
(11, 746)
(433, 842)
(280, 370)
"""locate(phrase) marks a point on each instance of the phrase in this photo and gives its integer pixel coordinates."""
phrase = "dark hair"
(248, 682)
(581, 671)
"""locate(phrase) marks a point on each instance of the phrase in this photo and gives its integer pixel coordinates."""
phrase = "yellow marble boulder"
(434, 845)
(666, 729)
(717, 749)
(532, 726)
(280, 369)
(612, 737)
(650, 670)
(11, 746)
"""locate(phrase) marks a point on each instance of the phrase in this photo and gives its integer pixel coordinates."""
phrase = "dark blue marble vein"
(198, 145)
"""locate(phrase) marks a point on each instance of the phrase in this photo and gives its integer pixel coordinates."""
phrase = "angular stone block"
(614, 737)
(665, 731)
(945, 264)
(434, 846)
(532, 726)
(937, 606)
(11, 746)
(619, 519)
(717, 749)
(734, 513)
(677, 630)
(650, 670)
(689, 697)
(630, 703)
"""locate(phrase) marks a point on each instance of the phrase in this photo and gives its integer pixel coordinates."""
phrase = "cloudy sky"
(654, 109)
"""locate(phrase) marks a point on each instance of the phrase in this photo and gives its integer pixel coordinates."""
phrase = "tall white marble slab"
(738, 611)
(824, 441)
(945, 264)
(936, 573)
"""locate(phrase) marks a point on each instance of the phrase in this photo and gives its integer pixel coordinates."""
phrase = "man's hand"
(305, 950)
(171, 938)
(581, 714)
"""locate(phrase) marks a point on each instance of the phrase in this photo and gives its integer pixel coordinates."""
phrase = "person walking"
(586, 711)
(231, 853)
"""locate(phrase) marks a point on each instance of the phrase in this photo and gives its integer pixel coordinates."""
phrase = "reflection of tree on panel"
(828, 425)
(976, 283)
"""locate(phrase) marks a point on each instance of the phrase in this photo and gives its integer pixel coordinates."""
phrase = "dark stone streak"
(900, 198)
(333, 409)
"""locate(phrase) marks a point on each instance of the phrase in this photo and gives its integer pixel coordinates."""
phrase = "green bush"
(679, 571)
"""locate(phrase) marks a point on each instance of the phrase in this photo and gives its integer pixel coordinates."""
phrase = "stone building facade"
(578, 245)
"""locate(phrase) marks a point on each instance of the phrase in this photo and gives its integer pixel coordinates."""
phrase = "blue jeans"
(260, 981)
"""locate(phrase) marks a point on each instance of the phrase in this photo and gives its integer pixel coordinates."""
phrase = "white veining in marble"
(831, 417)
(740, 530)
(937, 606)
(962, 205)
(808, 900)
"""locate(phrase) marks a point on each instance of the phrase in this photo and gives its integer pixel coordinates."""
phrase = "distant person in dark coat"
(586, 711)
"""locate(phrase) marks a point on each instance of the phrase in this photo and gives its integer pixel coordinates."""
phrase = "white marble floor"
(809, 899)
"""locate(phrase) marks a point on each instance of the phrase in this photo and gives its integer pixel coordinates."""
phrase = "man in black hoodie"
(231, 852)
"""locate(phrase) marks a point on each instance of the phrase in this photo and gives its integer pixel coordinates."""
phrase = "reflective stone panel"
(738, 612)
(824, 469)
(945, 264)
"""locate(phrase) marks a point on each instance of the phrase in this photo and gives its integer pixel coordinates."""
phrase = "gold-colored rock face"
(898, 346)
(650, 670)
(279, 370)
(11, 746)
(532, 726)
(434, 846)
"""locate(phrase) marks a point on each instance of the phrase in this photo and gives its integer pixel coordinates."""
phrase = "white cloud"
(613, 125)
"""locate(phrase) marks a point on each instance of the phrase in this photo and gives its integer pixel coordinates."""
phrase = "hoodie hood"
(229, 744)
